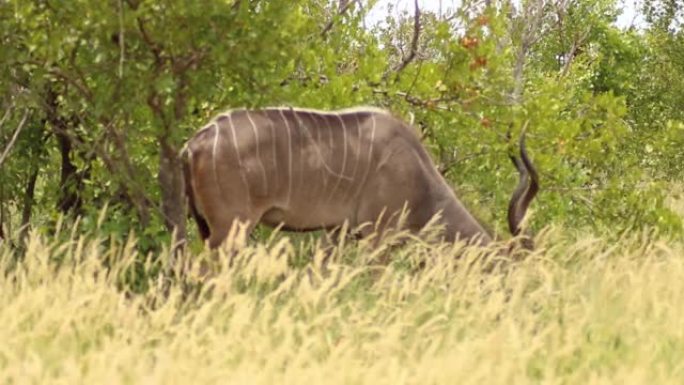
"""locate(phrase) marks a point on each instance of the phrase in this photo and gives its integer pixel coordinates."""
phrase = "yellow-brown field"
(579, 310)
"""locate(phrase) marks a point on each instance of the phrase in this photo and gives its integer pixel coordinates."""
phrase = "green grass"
(579, 310)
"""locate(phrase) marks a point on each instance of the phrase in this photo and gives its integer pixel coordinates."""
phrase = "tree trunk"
(27, 208)
(172, 191)
(70, 179)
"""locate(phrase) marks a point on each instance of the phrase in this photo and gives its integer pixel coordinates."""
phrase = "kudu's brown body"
(308, 170)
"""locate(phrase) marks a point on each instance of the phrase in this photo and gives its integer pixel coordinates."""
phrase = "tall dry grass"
(579, 310)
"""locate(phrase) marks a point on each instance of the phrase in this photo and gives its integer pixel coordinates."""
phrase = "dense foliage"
(98, 97)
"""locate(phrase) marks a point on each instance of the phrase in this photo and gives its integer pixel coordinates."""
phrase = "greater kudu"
(306, 170)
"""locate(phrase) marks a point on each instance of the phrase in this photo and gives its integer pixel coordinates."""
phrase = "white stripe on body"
(258, 154)
(237, 154)
(214, 151)
(274, 145)
(342, 111)
(289, 158)
(317, 147)
(298, 130)
(344, 157)
(319, 186)
(317, 114)
(358, 151)
(370, 156)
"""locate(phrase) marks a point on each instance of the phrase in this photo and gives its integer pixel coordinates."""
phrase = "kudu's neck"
(459, 222)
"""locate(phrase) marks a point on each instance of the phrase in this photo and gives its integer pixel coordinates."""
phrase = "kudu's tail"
(202, 225)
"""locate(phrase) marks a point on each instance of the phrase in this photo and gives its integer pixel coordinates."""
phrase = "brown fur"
(309, 170)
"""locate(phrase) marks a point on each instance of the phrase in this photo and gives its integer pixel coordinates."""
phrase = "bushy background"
(98, 96)
(102, 96)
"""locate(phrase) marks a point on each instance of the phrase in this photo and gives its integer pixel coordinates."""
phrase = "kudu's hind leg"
(220, 228)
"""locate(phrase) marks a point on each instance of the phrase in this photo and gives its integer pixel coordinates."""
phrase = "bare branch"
(448, 162)
(58, 72)
(122, 45)
(6, 115)
(9, 146)
(344, 6)
(157, 49)
(413, 100)
(570, 56)
(423, 103)
(414, 42)
(531, 19)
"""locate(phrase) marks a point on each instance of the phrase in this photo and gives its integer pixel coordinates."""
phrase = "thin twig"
(331, 22)
(445, 166)
(122, 46)
(415, 101)
(156, 49)
(532, 16)
(82, 88)
(6, 115)
(6, 152)
(415, 78)
(570, 56)
(414, 42)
